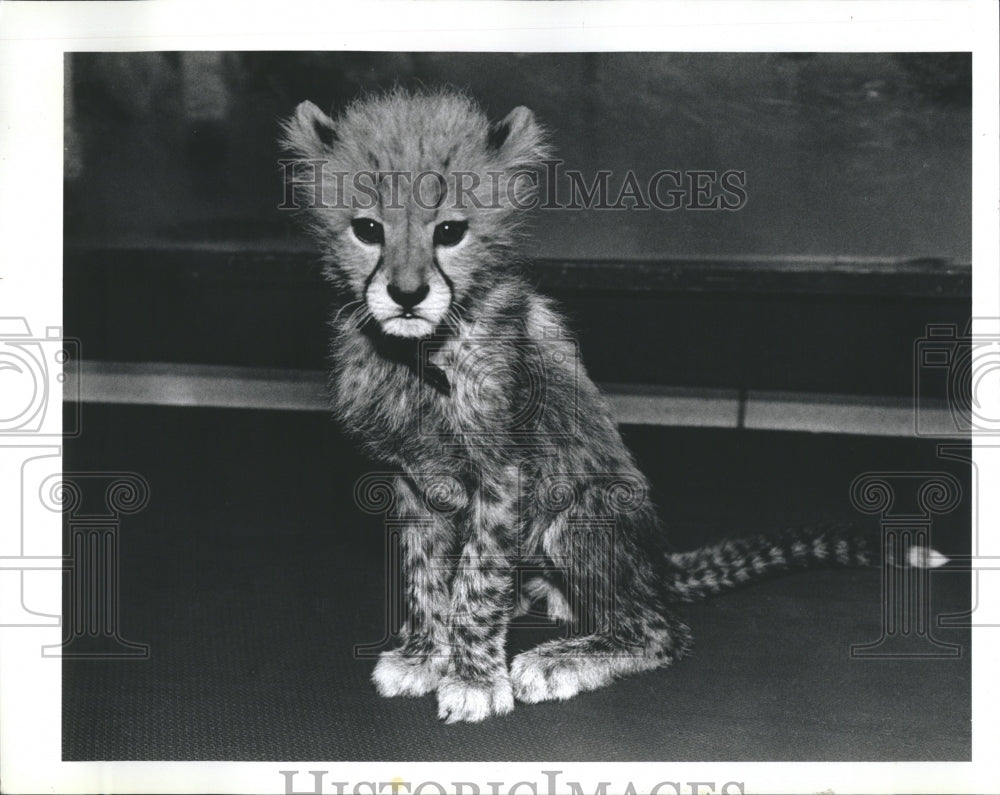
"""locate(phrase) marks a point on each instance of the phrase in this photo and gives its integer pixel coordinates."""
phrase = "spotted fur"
(509, 459)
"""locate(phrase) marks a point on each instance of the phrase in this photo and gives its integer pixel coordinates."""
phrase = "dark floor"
(252, 576)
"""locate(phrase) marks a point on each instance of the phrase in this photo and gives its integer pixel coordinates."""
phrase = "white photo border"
(34, 38)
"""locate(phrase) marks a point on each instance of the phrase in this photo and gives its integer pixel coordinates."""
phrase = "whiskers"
(358, 314)
(455, 316)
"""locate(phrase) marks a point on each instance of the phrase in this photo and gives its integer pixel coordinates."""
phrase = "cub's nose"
(408, 299)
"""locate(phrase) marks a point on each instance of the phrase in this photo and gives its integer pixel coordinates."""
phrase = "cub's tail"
(729, 564)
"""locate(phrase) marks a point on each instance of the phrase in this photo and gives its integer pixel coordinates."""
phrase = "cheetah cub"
(515, 490)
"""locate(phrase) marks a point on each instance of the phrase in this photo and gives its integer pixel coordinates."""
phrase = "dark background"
(175, 249)
(845, 154)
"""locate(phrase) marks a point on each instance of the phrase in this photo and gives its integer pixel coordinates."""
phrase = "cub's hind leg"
(619, 622)
(417, 665)
(559, 669)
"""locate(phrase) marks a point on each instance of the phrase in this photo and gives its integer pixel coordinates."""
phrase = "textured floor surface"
(252, 576)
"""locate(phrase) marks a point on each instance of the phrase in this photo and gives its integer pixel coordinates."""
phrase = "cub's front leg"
(415, 668)
(477, 683)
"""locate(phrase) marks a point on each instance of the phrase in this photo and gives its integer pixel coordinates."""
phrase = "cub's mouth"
(408, 312)
(407, 324)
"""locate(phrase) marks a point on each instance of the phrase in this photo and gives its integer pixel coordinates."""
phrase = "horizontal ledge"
(208, 386)
(269, 262)
(197, 385)
(868, 415)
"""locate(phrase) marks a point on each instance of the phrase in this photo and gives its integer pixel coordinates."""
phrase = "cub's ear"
(519, 141)
(309, 132)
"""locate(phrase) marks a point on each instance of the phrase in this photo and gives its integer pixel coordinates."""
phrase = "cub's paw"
(399, 674)
(473, 701)
(545, 677)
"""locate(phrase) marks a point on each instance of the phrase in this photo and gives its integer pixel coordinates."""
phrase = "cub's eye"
(369, 231)
(450, 233)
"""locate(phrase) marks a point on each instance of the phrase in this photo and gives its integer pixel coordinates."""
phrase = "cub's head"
(414, 199)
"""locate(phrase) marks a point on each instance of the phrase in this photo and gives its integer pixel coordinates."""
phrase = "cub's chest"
(476, 376)
(461, 384)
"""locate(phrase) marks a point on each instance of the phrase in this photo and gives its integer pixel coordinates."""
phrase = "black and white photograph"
(445, 418)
